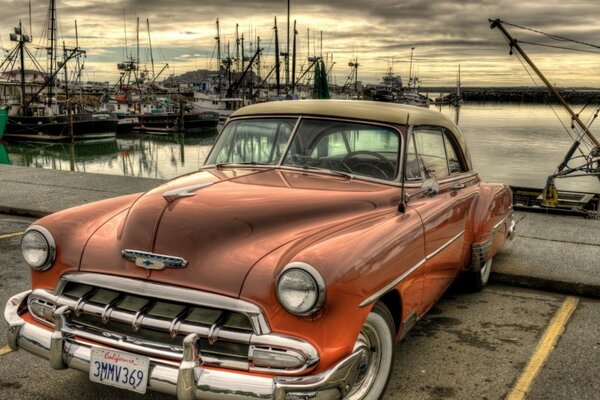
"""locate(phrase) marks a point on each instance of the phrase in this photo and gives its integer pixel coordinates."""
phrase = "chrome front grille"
(153, 320)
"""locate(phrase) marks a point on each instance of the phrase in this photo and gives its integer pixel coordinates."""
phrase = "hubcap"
(369, 363)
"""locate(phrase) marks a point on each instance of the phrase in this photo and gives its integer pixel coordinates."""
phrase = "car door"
(445, 214)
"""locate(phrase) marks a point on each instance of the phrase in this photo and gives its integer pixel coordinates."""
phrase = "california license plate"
(119, 369)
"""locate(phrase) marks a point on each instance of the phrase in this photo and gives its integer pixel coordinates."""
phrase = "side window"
(413, 168)
(433, 155)
(453, 160)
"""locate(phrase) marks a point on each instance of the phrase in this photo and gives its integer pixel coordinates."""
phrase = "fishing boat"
(410, 94)
(36, 114)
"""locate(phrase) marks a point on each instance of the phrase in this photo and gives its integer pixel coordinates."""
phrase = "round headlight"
(300, 289)
(37, 247)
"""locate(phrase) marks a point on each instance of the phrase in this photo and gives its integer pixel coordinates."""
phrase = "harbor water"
(519, 144)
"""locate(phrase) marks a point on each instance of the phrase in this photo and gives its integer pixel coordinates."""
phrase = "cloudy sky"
(379, 33)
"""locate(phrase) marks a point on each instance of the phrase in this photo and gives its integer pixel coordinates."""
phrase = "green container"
(3, 119)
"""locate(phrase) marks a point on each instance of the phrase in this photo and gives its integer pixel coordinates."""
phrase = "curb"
(24, 212)
(562, 287)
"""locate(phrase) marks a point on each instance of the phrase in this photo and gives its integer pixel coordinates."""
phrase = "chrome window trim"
(172, 293)
(374, 297)
(449, 179)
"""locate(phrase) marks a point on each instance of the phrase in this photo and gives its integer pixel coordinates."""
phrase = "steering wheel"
(378, 170)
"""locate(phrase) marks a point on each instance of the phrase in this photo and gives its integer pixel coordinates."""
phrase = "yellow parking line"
(543, 350)
(10, 235)
(5, 350)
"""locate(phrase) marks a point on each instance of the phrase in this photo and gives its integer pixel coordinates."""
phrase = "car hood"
(224, 221)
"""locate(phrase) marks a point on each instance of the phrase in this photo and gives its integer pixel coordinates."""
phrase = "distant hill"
(203, 75)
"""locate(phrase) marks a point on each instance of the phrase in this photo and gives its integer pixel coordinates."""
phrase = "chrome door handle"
(459, 186)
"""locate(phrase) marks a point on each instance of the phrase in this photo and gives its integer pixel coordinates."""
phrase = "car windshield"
(347, 147)
(360, 149)
(252, 141)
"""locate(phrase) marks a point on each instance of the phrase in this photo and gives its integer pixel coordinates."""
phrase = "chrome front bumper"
(188, 380)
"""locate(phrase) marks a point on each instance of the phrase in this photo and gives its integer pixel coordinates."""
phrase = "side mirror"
(429, 188)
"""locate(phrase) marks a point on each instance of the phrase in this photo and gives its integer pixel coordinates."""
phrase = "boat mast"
(458, 84)
(237, 48)
(22, 54)
(515, 45)
(410, 79)
(51, 46)
(150, 46)
(294, 60)
(218, 38)
(287, 51)
(277, 72)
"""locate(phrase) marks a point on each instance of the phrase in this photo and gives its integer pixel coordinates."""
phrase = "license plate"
(119, 369)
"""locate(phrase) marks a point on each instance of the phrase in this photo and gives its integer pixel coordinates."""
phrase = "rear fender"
(492, 223)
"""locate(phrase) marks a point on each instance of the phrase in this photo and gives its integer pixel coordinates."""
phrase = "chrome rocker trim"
(187, 380)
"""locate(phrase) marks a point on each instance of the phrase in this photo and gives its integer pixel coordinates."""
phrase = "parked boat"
(3, 119)
(36, 114)
(412, 97)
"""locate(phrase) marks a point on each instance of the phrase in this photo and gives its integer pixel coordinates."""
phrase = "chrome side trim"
(377, 295)
(172, 293)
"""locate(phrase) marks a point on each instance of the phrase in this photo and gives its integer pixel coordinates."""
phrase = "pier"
(550, 252)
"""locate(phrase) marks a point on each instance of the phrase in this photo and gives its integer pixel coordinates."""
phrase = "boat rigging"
(590, 153)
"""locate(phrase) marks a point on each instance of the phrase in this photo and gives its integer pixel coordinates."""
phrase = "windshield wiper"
(327, 171)
(240, 164)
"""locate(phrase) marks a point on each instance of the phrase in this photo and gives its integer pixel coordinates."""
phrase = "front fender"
(71, 230)
(355, 263)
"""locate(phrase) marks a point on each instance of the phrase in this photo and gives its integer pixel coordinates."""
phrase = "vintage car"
(314, 238)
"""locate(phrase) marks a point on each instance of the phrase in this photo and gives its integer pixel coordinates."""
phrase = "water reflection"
(520, 144)
(137, 155)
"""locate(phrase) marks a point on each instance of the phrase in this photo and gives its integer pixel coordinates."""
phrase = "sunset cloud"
(445, 33)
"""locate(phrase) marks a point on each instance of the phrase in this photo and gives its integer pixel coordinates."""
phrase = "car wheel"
(377, 335)
(477, 280)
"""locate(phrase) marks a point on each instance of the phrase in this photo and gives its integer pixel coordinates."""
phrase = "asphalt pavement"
(550, 252)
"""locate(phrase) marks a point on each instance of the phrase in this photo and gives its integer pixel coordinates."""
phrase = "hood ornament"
(187, 191)
(154, 262)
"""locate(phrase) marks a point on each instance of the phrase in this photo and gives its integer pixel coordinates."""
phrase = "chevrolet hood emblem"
(151, 261)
